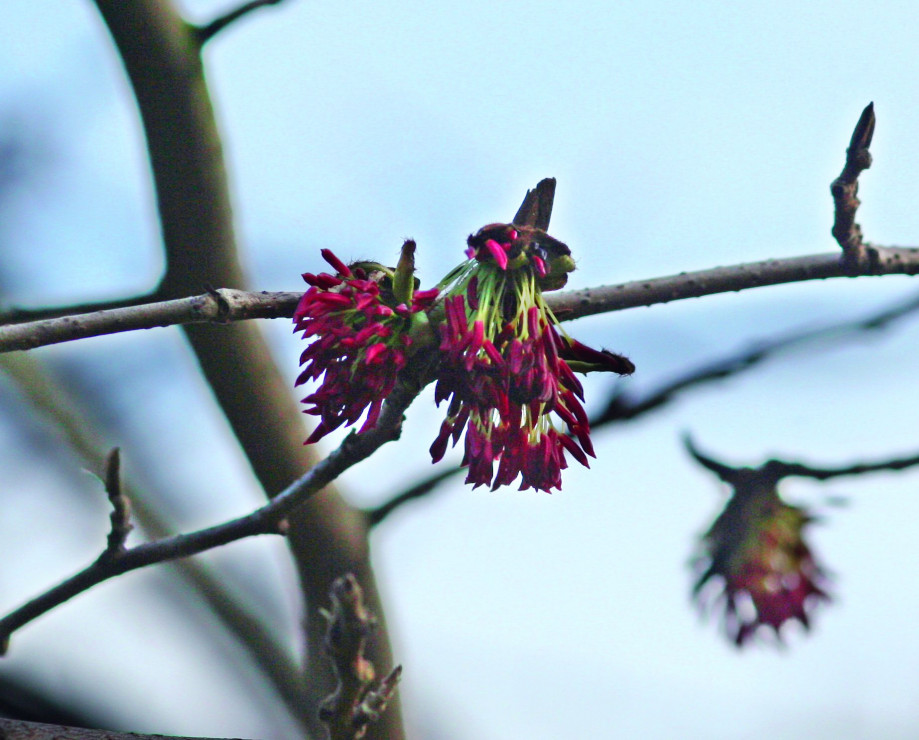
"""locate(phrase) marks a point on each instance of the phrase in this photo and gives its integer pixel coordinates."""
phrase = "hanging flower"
(362, 322)
(505, 363)
(767, 572)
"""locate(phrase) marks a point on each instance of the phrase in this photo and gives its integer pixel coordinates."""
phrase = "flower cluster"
(768, 573)
(362, 336)
(504, 365)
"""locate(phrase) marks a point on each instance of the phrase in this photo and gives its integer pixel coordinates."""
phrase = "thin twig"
(225, 305)
(591, 301)
(727, 473)
(844, 189)
(207, 32)
(353, 449)
(216, 306)
(799, 470)
(378, 514)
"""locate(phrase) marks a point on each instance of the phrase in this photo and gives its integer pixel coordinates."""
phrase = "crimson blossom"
(506, 366)
(362, 336)
(503, 362)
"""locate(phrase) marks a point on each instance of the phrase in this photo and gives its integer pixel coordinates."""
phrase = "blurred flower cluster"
(504, 365)
(756, 552)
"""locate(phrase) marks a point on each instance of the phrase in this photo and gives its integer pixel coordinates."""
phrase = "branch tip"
(857, 255)
(724, 472)
(864, 129)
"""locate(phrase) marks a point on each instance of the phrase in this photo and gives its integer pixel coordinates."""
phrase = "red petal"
(340, 267)
(497, 252)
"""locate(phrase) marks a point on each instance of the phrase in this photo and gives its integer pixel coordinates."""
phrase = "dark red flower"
(504, 365)
(767, 573)
(360, 339)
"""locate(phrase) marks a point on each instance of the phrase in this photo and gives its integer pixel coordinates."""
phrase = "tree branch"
(207, 32)
(800, 470)
(591, 301)
(378, 514)
(625, 405)
(225, 305)
(216, 306)
(266, 520)
(162, 57)
(17, 315)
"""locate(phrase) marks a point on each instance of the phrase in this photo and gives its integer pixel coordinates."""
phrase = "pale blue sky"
(683, 135)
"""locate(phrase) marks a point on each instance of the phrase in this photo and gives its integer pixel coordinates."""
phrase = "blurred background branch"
(161, 55)
(116, 560)
(51, 398)
(626, 404)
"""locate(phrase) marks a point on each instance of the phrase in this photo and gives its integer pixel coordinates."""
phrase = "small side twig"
(422, 489)
(121, 506)
(725, 472)
(356, 702)
(47, 395)
(799, 470)
(856, 253)
(207, 32)
(266, 520)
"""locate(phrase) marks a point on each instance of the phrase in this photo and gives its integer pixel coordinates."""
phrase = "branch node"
(223, 305)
